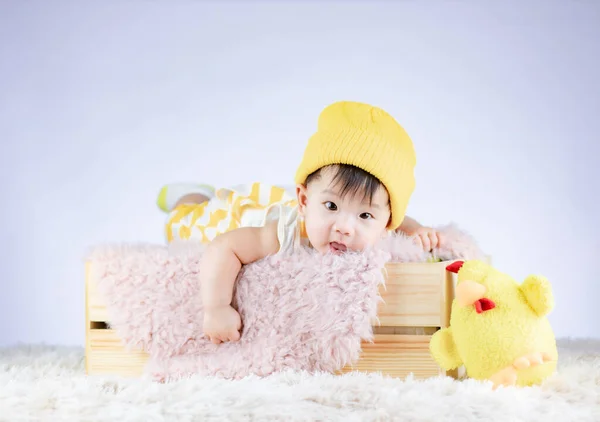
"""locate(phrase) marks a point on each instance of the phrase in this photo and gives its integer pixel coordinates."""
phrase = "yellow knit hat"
(369, 138)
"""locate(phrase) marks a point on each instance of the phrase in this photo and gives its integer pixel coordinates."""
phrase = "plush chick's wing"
(538, 293)
(443, 349)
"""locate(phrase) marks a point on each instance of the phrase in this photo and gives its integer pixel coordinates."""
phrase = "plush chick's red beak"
(484, 304)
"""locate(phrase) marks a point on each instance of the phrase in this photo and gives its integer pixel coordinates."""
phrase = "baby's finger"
(440, 237)
(425, 241)
(215, 339)
(417, 240)
(433, 240)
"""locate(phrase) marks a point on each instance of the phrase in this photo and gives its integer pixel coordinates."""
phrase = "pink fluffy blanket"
(303, 311)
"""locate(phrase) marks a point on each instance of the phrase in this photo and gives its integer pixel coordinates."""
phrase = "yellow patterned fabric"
(250, 205)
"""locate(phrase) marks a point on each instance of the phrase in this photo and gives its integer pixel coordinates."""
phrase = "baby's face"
(338, 224)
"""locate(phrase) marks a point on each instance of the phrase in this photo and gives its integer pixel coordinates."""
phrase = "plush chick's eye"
(330, 206)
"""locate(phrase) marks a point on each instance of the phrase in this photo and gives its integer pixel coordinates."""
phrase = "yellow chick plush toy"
(498, 328)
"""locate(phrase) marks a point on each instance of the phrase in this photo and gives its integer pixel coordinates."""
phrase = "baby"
(353, 186)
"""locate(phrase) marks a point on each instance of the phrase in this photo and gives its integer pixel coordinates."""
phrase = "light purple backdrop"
(102, 103)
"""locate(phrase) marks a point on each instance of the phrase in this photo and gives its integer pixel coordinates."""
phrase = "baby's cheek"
(360, 244)
(315, 233)
(370, 240)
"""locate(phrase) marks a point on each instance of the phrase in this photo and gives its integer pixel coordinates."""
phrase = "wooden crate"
(417, 299)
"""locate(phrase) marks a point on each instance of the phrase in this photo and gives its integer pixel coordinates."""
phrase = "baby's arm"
(409, 226)
(219, 269)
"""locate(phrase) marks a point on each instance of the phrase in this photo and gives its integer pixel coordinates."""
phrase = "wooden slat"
(391, 354)
(397, 355)
(414, 295)
(95, 304)
(96, 308)
(405, 330)
(108, 355)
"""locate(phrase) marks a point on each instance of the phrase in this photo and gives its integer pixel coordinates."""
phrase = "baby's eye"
(330, 206)
(366, 216)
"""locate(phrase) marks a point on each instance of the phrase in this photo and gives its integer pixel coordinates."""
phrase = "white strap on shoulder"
(287, 228)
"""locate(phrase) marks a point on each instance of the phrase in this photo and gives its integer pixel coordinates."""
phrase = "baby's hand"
(428, 238)
(221, 324)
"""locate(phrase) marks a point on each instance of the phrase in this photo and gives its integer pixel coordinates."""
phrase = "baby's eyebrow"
(330, 192)
(372, 205)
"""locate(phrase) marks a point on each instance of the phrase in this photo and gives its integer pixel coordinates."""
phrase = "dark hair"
(353, 180)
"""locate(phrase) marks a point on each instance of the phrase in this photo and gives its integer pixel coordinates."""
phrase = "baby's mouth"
(336, 247)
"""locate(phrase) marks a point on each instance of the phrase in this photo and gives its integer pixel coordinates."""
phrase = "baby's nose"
(344, 226)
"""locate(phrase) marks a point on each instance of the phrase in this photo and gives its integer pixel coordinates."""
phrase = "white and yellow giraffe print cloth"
(248, 205)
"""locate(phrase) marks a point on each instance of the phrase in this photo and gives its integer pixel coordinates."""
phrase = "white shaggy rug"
(40, 383)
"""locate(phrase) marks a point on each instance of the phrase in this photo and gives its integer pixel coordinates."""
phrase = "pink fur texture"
(304, 311)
